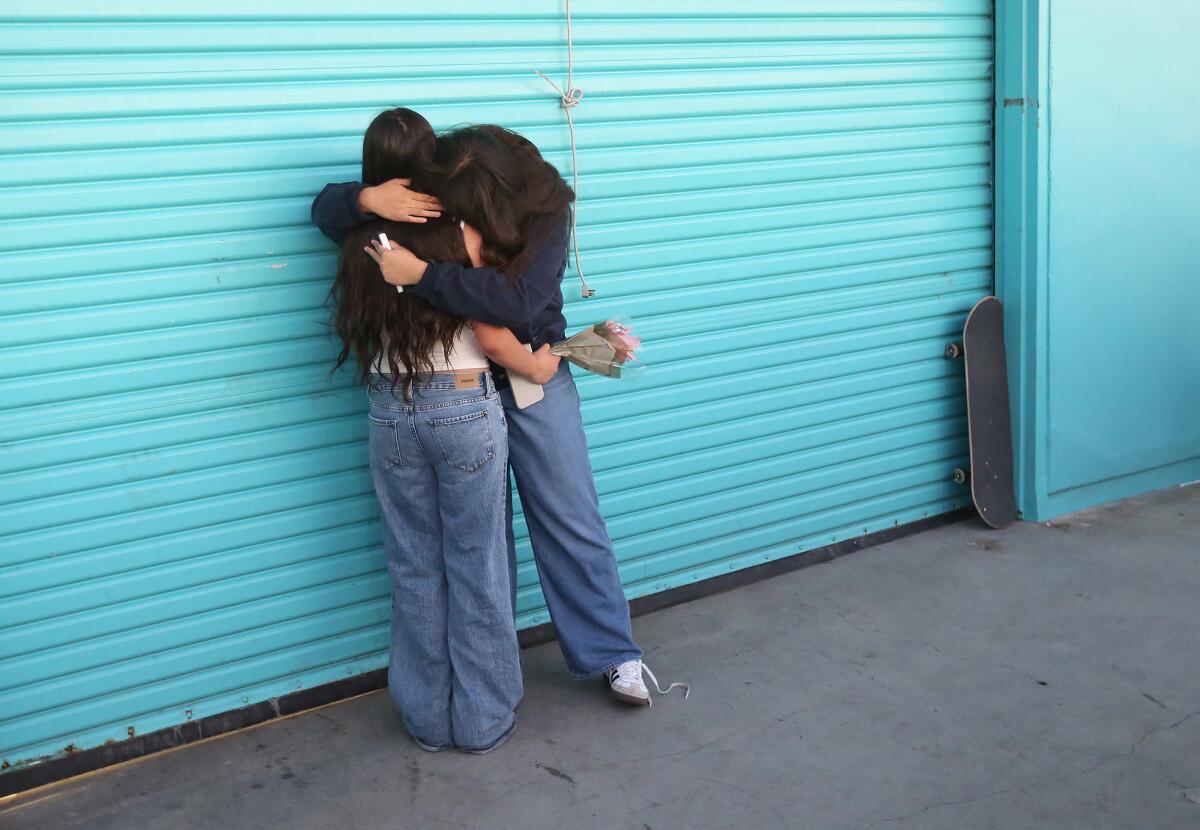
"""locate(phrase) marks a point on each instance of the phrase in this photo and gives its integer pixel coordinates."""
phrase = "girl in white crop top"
(438, 451)
(396, 337)
(475, 343)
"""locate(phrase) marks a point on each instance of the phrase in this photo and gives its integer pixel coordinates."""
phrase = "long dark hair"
(399, 144)
(497, 181)
(373, 321)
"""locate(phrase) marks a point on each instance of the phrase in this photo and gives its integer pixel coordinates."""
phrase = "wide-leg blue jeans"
(575, 560)
(439, 462)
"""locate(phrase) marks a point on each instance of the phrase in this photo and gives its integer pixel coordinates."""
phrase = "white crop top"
(465, 354)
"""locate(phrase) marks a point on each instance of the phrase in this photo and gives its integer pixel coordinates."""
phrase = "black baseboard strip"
(21, 779)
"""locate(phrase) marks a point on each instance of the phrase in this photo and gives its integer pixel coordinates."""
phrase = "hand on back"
(395, 201)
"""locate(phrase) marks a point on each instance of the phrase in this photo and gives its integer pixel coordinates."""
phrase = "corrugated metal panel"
(791, 199)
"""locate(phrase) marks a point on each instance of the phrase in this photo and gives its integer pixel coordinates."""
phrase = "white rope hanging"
(569, 98)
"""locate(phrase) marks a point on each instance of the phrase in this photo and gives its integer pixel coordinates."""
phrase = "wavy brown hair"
(497, 181)
(373, 321)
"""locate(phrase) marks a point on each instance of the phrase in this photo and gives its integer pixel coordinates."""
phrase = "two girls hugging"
(435, 320)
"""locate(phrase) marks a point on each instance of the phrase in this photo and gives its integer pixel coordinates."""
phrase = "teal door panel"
(791, 200)
(1124, 284)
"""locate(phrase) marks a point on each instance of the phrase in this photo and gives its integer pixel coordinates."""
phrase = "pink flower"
(625, 336)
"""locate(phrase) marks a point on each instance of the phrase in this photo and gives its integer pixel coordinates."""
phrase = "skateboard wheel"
(953, 350)
(960, 475)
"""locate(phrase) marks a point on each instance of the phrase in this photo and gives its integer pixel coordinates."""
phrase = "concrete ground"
(1046, 676)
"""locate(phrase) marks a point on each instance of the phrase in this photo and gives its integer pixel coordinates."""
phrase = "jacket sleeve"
(335, 210)
(492, 296)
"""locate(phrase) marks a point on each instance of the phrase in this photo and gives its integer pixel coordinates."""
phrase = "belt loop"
(489, 386)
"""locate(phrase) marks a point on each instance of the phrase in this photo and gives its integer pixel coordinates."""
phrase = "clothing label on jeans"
(465, 380)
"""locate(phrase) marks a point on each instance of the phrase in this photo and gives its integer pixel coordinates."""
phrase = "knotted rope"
(570, 98)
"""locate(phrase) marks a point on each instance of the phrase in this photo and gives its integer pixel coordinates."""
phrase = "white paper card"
(525, 392)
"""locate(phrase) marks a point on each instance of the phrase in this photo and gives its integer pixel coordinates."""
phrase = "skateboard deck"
(988, 425)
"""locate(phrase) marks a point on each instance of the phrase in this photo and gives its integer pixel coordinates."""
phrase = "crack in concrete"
(1128, 754)
(965, 659)
(1157, 729)
(1016, 789)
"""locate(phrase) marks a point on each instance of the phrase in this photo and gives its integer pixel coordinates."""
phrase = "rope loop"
(571, 98)
(568, 99)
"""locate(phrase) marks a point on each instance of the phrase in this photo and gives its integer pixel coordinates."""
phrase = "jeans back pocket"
(465, 440)
(384, 443)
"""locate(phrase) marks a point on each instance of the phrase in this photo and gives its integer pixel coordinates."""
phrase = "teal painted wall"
(1097, 252)
(1124, 250)
(793, 201)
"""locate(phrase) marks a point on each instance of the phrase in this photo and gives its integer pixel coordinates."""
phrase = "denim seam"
(507, 733)
(397, 459)
(412, 428)
(457, 419)
(422, 386)
(490, 446)
(433, 406)
(390, 407)
(456, 402)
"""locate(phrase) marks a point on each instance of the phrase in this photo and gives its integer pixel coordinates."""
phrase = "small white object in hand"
(383, 240)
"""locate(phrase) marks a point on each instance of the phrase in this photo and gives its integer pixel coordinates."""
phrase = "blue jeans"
(575, 559)
(439, 465)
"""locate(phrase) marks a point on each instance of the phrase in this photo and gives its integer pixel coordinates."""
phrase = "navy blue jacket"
(529, 303)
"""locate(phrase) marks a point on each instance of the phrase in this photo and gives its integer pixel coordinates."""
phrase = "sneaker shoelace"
(631, 672)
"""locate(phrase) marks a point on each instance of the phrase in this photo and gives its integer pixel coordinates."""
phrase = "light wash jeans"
(575, 560)
(439, 465)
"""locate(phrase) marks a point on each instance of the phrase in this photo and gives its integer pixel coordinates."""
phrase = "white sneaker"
(627, 685)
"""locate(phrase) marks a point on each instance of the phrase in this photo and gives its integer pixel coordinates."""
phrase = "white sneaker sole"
(631, 700)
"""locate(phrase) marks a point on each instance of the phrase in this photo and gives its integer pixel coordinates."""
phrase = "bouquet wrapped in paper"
(602, 348)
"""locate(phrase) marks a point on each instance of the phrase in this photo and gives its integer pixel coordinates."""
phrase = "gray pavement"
(1046, 676)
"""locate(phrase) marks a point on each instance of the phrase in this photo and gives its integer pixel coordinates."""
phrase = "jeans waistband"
(462, 381)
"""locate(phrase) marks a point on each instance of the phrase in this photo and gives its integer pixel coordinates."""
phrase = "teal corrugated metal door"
(792, 200)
